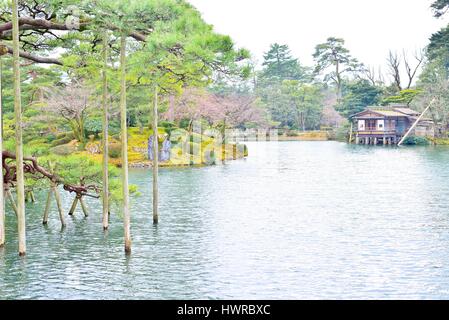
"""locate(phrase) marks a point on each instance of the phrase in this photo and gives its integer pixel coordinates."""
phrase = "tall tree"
(439, 43)
(279, 65)
(434, 83)
(72, 103)
(394, 68)
(440, 7)
(305, 100)
(358, 95)
(394, 63)
(335, 61)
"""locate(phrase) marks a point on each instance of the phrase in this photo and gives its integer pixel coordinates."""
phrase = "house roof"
(383, 112)
(389, 111)
(407, 111)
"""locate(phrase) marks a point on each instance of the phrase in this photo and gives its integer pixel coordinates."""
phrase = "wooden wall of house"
(402, 125)
(424, 131)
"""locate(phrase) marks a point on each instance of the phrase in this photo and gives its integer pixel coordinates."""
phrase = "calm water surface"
(295, 220)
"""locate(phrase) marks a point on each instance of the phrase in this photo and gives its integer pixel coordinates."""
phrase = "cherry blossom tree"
(73, 104)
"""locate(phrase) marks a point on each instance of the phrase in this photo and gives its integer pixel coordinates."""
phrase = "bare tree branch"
(394, 64)
(411, 71)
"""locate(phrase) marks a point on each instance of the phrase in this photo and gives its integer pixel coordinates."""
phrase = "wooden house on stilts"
(388, 125)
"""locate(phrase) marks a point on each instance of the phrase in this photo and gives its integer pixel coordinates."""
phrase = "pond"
(295, 220)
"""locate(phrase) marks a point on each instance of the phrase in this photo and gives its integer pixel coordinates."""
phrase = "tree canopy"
(334, 61)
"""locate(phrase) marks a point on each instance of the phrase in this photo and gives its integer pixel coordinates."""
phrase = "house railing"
(377, 132)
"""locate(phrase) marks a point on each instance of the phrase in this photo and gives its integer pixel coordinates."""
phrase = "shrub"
(416, 141)
(115, 150)
(292, 134)
(184, 123)
(63, 150)
(62, 141)
(168, 127)
(39, 150)
(166, 124)
(51, 137)
(341, 133)
(93, 126)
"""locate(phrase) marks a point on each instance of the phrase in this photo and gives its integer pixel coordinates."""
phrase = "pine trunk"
(124, 135)
(20, 187)
(155, 160)
(105, 138)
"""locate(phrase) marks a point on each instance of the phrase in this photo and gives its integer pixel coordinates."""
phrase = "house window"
(381, 125)
(371, 125)
(361, 125)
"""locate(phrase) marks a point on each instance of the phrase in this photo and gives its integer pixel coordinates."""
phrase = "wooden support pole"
(20, 177)
(2, 213)
(105, 136)
(2, 192)
(32, 197)
(73, 207)
(83, 206)
(124, 136)
(416, 123)
(47, 206)
(58, 203)
(350, 132)
(12, 201)
(155, 159)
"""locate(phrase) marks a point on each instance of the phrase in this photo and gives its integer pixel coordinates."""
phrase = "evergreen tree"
(279, 65)
(357, 96)
(335, 61)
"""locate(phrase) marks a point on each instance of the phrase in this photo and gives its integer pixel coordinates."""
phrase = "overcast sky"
(370, 27)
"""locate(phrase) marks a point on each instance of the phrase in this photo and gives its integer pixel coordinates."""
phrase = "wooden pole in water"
(47, 207)
(32, 197)
(416, 123)
(58, 203)
(124, 135)
(83, 206)
(105, 137)
(73, 207)
(155, 159)
(2, 198)
(350, 133)
(12, 201)
(20, 187)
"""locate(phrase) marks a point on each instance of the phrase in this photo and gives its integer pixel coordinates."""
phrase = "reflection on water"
(294, 220)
